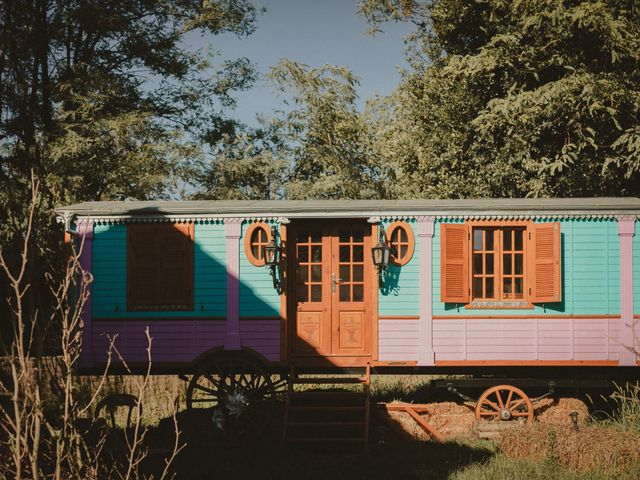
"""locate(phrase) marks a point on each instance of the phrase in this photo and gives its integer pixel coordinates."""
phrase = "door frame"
(290, 302)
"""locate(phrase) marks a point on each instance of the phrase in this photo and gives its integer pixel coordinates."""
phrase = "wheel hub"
(505, 414)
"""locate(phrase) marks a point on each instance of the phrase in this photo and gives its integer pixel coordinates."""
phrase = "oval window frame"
(256, 262)
(399, 262)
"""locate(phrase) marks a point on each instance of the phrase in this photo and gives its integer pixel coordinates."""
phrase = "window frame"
(248, 244)
(411, 244)
(500, 303)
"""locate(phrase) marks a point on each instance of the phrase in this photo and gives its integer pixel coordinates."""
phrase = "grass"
(391, 456)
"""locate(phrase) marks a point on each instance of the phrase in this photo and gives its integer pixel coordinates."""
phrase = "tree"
(516, 98)
(100, 99)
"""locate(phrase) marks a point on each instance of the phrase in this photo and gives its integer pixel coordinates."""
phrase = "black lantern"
(381, 253)
(272, 258)
(272, 250)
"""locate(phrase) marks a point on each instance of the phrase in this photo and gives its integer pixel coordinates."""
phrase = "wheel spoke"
(207, 390)
(499, 396)
(491, 404)
(509, 397)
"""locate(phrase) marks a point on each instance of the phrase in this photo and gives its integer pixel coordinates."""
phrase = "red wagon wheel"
(236, 393)
(504, 403)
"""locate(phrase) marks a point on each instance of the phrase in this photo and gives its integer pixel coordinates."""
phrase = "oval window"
(257, 237)
(401, 242)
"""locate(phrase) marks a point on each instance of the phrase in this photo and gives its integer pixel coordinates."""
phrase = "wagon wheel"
(236, 393)
(504, 403)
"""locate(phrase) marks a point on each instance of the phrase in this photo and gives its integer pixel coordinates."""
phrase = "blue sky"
(315, 33)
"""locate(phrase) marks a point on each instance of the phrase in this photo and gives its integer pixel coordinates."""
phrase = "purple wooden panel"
(263, 336)
(398, 340)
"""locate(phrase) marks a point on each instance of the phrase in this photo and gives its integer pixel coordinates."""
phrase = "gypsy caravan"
(246, 297)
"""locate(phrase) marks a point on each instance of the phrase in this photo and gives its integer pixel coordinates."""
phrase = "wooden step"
(325, 424)
(328, 394)
(325, 408)
(329, 381)
(325, 440)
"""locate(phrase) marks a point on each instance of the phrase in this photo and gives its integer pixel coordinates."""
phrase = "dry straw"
(607, 450)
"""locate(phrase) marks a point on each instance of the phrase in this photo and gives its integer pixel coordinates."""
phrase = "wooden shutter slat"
(545, 279)
(454, 263)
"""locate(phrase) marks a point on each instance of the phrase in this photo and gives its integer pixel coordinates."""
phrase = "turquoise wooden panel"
(590, 272)
(636, 270)
(257, 295)
(400, 294)
(109, 258)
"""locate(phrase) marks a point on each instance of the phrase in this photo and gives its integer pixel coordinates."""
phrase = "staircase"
(321, 411)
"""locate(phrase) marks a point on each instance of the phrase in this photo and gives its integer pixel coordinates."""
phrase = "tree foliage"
(517, 98)
(100, 98)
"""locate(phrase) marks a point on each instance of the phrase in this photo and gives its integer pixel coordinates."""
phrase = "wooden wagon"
(239, 294)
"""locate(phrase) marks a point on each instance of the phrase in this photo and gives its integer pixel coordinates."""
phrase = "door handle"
(334, 282)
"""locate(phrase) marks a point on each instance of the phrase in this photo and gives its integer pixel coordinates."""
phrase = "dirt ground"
(455, 420)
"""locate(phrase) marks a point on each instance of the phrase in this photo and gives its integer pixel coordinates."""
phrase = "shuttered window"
(160, 266)
(501, 265)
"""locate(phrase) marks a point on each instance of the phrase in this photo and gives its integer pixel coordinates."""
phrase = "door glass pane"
(303, 293)
(345, 274)
(488, 263)
(358, 235)
(477, 239)
(358, 273)
(477, 288)
(358, 253)
(316, 273)
(345, 236)
(519, 235)
(345, 293)
(489, 288)
(477, 263)
(316, 293)
(506, 264)
(519, 263)
(506, 239)
(403, 250)
(345, 253)
(316, 253)
(303, 274)
(488, 240)
(358, 292)
(303, 253)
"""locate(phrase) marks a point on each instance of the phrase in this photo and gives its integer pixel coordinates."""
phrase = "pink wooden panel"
(398, 339)
(449, 339)
(548, 339)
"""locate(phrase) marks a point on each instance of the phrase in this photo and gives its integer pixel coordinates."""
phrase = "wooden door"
(332, 294)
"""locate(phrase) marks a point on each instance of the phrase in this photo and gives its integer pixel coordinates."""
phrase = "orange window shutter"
(176, 259)
(545, 275)
(142, 265)
(454, 263)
